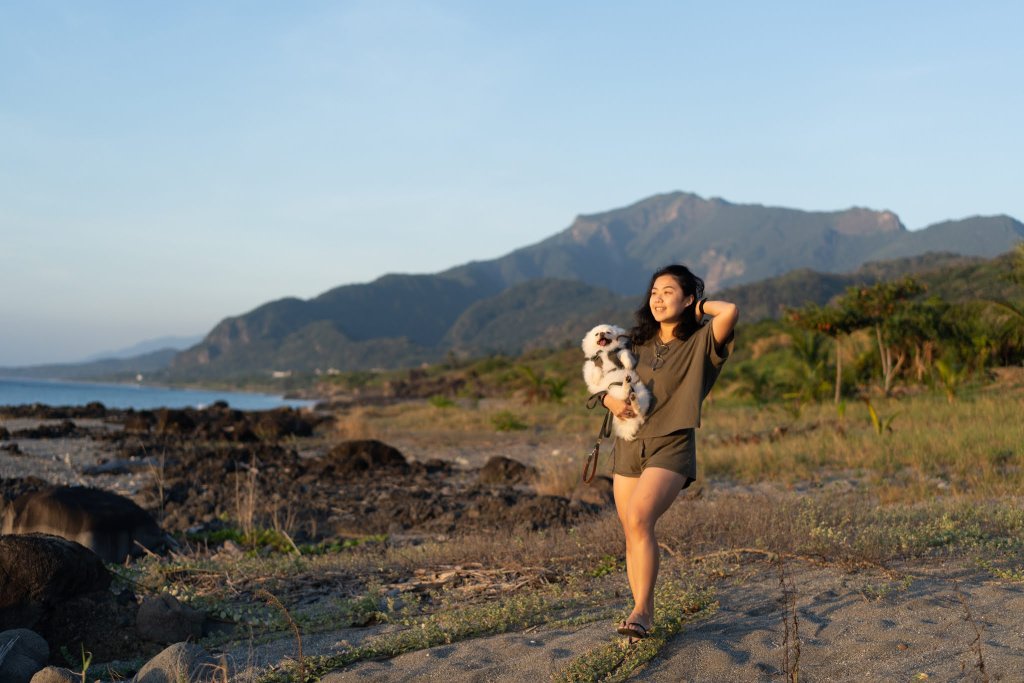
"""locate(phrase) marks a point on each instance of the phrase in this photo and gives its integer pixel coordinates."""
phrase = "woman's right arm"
(618, 407)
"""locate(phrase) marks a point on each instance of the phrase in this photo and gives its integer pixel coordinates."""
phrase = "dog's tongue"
(602, 342)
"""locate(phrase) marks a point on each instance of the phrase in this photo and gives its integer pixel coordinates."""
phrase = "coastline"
(18, 391)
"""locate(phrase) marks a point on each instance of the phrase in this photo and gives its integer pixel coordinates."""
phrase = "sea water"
(138, 396)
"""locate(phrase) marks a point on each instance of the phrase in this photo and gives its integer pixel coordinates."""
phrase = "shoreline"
(122, 396)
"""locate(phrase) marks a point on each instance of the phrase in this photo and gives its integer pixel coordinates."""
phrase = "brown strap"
(590, 467)
(592, 459)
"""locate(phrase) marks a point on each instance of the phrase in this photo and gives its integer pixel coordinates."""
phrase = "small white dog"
(610, 366)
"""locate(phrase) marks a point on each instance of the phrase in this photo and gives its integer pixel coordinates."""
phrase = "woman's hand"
(618, 407)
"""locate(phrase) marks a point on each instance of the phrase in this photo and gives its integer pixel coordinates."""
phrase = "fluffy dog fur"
(610, 366)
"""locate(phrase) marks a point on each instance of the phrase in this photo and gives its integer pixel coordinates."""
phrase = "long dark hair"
(646, 326)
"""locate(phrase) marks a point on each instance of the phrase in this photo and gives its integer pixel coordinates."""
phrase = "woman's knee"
(639, 523)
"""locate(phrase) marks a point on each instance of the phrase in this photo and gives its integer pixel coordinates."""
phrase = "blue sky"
(165, 165)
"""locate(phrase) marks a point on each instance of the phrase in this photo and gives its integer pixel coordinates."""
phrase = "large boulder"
(61, 590)
(43, 572)
(22, 654)
(108, 524)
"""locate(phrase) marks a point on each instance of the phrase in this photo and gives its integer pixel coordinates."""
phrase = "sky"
(164, 165)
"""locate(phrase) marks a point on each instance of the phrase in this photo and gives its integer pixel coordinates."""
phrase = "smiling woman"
(679, 358)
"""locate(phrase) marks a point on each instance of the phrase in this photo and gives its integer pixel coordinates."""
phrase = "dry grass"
(971, 447)
(467, 416)
(354, 424)
(559, 475)
(944, 482)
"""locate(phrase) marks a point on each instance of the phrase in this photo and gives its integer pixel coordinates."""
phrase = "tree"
(875, 306)
(836, 321)
(1008, 316)
(916, 327)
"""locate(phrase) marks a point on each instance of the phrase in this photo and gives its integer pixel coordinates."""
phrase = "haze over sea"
(137, 396)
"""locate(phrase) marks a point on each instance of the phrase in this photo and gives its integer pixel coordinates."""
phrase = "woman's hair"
(646, 326)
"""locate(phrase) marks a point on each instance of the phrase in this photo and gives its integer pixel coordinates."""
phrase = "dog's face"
(605, 337)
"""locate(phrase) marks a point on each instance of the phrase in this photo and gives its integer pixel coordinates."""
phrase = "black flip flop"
(633, 630)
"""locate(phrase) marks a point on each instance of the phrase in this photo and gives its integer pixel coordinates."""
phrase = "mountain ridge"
(482, 306)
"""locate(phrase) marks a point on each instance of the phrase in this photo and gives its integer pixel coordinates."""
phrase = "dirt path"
(938, 623)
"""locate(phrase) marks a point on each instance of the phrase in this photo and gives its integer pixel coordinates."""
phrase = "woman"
(679, 359)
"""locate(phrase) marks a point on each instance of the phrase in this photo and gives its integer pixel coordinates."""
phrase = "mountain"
(146, 347)
(400, 320)
(768, 298)
(725, 243)
(537, 313)
(106, 368)
(549, 312)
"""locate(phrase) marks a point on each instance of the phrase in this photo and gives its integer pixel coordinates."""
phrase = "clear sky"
(164, 165)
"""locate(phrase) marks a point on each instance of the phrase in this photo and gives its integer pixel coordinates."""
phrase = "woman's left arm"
(723, 319)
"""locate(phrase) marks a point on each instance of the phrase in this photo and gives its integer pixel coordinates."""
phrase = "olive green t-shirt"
(687, 371)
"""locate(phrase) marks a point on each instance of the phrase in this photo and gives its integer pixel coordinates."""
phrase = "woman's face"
(668, 300)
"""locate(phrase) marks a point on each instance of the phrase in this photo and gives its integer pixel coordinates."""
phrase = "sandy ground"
(940, 623)
(932, 622)
(945, 622)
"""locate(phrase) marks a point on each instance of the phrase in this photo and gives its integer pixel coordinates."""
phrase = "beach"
(498, 582)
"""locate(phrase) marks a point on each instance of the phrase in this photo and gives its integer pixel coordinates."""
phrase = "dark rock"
(4, 434)
(95, 410)
(103, 521)
(502, 470)
(40, 411)
(65, 429)
(170, 421)
(162, 619)
(365, 456)
(11, 448)
(276, 424)
(12, 488)
(41, 572)
(28, 654)
(141, 421)
(116, 467)
(598, 492)
(60, 590)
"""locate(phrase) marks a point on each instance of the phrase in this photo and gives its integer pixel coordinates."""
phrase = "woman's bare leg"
(622, 489)
(640, 502)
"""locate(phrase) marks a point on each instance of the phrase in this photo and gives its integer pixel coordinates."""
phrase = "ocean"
(138, 396)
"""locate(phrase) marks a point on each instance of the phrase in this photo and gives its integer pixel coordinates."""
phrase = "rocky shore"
(206, 476)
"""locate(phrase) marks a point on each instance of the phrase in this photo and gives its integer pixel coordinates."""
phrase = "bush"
(506, 421)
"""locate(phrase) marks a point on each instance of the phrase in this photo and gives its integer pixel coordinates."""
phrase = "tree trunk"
(889, 369)
(839, 369)
(884, 358)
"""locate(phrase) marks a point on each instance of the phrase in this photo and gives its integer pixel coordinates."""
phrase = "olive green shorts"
(676, 452)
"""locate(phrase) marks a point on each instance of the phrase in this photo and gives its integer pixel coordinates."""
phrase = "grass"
(678, 603)
(934, 448)
(820, 483)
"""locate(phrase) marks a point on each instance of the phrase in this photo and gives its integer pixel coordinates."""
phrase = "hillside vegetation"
(405, 320)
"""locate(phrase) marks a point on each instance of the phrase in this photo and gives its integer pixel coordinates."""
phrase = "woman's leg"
(622, 489)
(640, 503)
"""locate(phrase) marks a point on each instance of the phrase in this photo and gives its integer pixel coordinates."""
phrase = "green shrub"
(507, 421)
(440, 401)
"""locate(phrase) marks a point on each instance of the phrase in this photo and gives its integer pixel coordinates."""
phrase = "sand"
(861, 626)
(925, 621)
